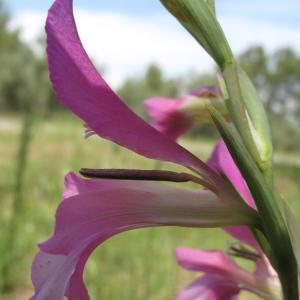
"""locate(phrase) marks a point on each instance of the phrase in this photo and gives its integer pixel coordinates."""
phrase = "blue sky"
(278, 11)
(125, 6)
(125, 36)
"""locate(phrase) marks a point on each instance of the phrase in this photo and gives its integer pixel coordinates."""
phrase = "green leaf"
(199, 19)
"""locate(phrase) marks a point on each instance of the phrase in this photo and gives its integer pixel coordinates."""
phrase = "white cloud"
(257, 7)
(242, 33)
(31, 25)
(126, 44)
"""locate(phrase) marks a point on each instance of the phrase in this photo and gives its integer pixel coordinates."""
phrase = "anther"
(240, 251)
(132, 174)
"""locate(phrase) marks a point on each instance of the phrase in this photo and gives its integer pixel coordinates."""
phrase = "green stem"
(212, 5)
(274, 225)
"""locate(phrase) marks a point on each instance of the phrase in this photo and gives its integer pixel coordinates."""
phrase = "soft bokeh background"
(142, 52)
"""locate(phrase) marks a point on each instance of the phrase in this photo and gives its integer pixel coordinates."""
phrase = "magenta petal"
(81, 88)
(77, 289)
(167, 116)
(222, 272)
(205, 91)
(213, 262)
(75, 185)
(243, 234)
(264, 270)
(55, 276)
(43, 266)
(171, 117)
(94, 210)
(222, 161)
(107, 210)
(209, 287)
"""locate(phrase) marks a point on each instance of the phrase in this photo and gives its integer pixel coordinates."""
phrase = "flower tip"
(208, 91)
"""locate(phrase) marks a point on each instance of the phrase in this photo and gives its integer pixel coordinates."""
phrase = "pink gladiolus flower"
(222, 161)
(223, 278)
(93, 210)
(174, 117)
(171, 120)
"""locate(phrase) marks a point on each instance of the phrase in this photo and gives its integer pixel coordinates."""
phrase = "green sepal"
(259, 120)
(199, 19)
(273, 223)
(249, 117)
(222, 87)
(237, 108)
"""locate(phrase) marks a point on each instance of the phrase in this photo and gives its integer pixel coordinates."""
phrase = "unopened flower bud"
(174, 117)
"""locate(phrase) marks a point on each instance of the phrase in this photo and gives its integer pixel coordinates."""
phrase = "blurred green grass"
(134, 265)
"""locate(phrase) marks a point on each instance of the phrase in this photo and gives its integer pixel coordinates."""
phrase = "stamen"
(151, 175)
(240, 251)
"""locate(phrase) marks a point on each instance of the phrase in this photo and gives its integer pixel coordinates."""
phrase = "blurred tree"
(194, 80)
(255, 61)
(284, 83)
(17, 77)
(154, 78)
(136, 89)
(277, 78)
(7, 38)
(16, 60)
(23, 75)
